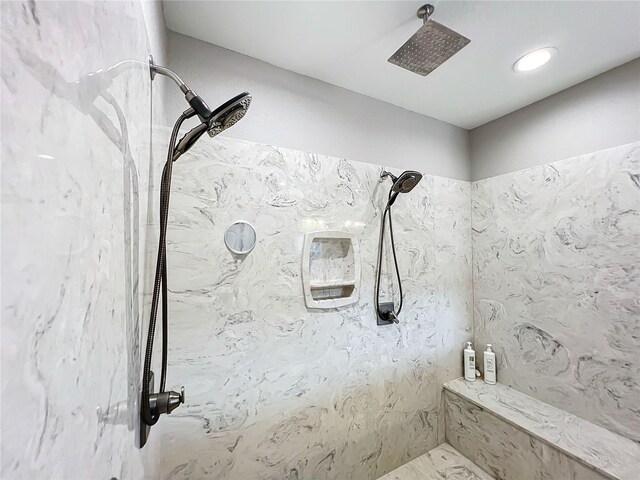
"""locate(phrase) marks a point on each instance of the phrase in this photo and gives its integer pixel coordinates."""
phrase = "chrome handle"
(166, 402)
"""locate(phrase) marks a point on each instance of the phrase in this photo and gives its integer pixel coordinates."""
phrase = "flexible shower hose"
(160, 286)
(387, 211)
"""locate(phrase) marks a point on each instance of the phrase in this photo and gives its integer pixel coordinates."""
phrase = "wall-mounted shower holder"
(145, 429)
(160, 403)
(386, 307)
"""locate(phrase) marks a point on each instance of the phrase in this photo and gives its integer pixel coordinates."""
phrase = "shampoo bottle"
(469, 363)
(489, 366)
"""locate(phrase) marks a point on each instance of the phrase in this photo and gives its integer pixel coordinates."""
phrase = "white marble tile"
(505, 451)
(442, 463)
(275, 390)
(556, 265)
(608, 453)
(75, 164)
(454, 289)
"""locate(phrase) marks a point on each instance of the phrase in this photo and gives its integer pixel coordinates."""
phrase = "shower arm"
(384, 174)
(196, 102)
(425, 11)
(154, 69)
(197, 106)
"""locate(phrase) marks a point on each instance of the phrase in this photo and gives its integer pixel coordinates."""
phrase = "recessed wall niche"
(330, 269)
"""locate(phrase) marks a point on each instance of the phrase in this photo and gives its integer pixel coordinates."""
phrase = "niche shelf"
(330, 269)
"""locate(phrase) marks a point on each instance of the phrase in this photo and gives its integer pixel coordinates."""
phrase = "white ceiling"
(348, 43)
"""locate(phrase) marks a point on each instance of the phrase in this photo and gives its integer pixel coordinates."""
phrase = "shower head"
(431, 46)
(228, 114)
(223, 117)
(212, 122)
(406, 181)
(402, 184)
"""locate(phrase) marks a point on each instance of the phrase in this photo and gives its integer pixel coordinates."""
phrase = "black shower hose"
(160, 284)
(387, 212)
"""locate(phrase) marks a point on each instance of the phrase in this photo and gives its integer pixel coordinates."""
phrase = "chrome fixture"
(406, 182)
(154, 404)
(213, 122)
(431, 46)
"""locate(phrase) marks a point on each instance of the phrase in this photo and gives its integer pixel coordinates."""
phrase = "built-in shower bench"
(514, 436)
(443, 462)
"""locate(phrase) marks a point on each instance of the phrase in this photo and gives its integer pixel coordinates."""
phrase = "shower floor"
(443, 462)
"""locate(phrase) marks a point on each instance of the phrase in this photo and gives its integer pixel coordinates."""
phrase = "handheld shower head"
(223, 117)
(402, 184)
(406, 181)
(228, 114)
(213, 122)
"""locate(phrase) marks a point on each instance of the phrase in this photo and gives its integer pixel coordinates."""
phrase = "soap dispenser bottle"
(489, 366)
(469, 363)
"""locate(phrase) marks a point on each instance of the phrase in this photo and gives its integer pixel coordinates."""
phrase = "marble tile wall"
(275, 390)
(76, 164)
(556, 272)
(454, 286)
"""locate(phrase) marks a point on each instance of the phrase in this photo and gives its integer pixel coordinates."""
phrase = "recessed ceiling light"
(535, 59)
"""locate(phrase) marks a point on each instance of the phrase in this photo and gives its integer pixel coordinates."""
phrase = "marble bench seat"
(512, 435)
(443, 462)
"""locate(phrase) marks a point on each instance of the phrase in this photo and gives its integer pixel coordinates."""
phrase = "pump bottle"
(489, 366)
(469, 363)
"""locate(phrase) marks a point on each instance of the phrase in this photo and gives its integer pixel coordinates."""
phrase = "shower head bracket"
(386, 314)
(425, 11)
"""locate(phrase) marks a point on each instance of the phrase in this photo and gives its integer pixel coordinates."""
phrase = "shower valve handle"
(393, 317)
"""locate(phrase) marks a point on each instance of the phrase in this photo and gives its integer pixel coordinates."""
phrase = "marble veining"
(276, 390)
(610, 454)
(76, 164)
(505, 451)
(454, 288)
(556, 275)
(442, 463)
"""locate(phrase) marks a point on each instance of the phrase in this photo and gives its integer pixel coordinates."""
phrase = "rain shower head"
(431, 46)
